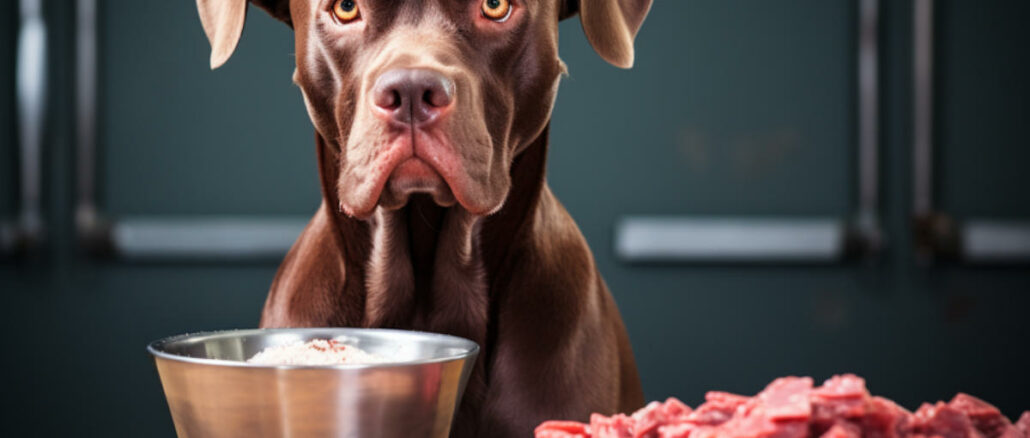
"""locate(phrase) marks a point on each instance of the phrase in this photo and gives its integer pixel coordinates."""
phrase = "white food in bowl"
(314, 352)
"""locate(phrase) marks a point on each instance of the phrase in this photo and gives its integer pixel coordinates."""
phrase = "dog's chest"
(425, 272)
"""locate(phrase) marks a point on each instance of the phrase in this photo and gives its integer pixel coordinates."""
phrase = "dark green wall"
(984, 110)
(734, 107)
(178, 138)
(726, 103)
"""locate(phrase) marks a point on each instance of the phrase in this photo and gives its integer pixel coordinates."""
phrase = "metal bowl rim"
(472, 349)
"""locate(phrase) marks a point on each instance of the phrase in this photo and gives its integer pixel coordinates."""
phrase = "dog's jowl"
(431, 121)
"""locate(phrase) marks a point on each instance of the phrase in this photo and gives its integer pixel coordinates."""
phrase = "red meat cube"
(787, 399)
(562, 429)
(883, 418)
(675, 410)
(842, 386)
(616, 426)
(678, 430)
(985, 417)
(843, 431)
(1023, 425)
(647, 419)
(719, 407)
(942, 420)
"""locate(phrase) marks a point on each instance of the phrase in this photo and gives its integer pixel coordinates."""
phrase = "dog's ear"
(278, 9)
(610, 25)
(567, 8)
(223, 23)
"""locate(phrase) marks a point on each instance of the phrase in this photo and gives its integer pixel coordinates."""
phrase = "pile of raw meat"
(791, 408)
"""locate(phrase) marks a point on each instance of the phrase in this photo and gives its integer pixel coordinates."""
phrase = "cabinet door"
(746, 109)
(969, 157)
(982, 111)
(750, 114)
(741, 107)
(176, 138)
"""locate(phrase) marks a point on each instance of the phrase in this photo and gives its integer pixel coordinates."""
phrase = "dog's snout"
(412, 95)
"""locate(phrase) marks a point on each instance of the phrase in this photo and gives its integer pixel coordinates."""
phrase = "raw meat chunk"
(561, 429)
(790, 407)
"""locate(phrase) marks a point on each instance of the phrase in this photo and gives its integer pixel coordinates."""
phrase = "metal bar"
(995, 241)
(86, 215)
(204, 239)
(685, 239)
(27, 231)
(31, 79)
(866, 227)
(935, 234)
(868, 111)
(154, 238)
(922, 106)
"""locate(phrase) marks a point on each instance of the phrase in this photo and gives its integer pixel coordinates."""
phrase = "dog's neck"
(428, 267)
(426, 273)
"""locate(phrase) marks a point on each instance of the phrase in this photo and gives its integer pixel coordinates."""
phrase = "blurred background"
(801, 187)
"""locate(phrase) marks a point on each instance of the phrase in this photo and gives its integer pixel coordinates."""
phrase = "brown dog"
(431, 120)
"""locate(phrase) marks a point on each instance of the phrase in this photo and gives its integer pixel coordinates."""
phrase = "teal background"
(737, 107)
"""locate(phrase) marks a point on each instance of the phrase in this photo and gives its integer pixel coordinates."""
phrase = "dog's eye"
(497, 10)
(345, 10)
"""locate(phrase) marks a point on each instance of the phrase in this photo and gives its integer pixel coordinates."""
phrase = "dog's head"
(429, 96)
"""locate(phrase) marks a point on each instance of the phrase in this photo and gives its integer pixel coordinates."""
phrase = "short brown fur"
(491, 255)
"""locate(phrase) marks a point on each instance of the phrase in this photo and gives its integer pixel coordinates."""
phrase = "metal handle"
(938, 235)
(865, 229)
(934, 233)
(204, 239)
(717, 240)
(87, 219)
(27, 231)
(922, 107)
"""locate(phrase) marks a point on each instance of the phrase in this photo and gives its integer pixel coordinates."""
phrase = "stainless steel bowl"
(213, 392)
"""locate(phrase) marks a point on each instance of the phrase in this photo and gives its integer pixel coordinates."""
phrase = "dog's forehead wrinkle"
(432, 53)
(424, 12)
(324, 59)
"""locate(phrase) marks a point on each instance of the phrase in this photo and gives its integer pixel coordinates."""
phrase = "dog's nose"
(412, 95)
